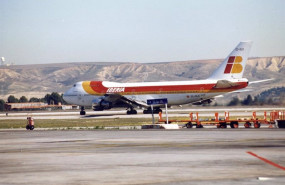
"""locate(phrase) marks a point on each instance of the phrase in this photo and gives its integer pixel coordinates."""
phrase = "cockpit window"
(74, 85)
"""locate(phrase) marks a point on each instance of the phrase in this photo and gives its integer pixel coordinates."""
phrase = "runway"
(207, 156)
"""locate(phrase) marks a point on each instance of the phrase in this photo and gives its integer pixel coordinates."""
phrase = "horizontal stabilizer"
(222, 84)
(237, 91)
(260, 81)
(219, 96)
(242, 90)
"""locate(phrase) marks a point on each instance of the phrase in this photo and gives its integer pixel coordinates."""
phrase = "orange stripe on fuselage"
(94, 87)
(87, 88)
(97, 88)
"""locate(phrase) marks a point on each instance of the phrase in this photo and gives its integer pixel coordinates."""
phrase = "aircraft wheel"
(247, 125)
(82, 111)
(155, 111)
(98, 109)
(148, 112)
(257, 125)
(218, 125)
(28, 127)
(32, 127)
(132, 112)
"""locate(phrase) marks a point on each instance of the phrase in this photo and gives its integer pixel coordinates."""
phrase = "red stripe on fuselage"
(99, 89)
(170, 88)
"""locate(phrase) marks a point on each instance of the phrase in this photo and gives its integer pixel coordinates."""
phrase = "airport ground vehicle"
(30, 123)
(276, 118)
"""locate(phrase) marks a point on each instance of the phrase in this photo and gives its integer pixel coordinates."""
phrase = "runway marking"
(267, 161)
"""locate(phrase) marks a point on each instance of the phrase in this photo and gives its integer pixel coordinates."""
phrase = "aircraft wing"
(227, 84)
(133, 102)
(221, 84)
(118, 97)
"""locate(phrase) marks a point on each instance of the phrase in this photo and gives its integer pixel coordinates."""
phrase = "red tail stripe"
(229, 64)
(231, 60)
(228, 68)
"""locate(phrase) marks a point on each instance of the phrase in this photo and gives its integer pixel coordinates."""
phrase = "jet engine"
(101, 104)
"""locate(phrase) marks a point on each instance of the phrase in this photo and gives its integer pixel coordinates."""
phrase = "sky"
(144, 31)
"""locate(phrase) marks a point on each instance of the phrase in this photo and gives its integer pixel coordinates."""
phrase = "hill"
(38, 80)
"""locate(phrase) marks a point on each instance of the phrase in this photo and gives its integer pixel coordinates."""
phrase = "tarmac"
(168, 157)
(118, 113)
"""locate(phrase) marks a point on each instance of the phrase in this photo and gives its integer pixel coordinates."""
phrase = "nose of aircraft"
(67, 96)
(70, 96)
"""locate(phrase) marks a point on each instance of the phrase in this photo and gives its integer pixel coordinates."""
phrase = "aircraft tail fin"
(234, 65)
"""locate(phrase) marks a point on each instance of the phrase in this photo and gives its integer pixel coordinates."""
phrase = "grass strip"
(96, 123)
(55, 123)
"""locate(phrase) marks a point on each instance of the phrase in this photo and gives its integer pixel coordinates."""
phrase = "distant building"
(37, 106)
(2, 60)
(5, 64)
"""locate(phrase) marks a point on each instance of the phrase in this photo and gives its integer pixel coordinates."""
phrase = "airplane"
(103, 95)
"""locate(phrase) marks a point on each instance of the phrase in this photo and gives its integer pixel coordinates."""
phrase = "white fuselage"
(193, 91)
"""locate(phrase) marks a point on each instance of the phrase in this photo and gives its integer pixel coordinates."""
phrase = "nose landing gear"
(82, 111)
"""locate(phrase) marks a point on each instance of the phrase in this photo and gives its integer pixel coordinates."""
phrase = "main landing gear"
(155, 110)
(131, 110)
(82, 111)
